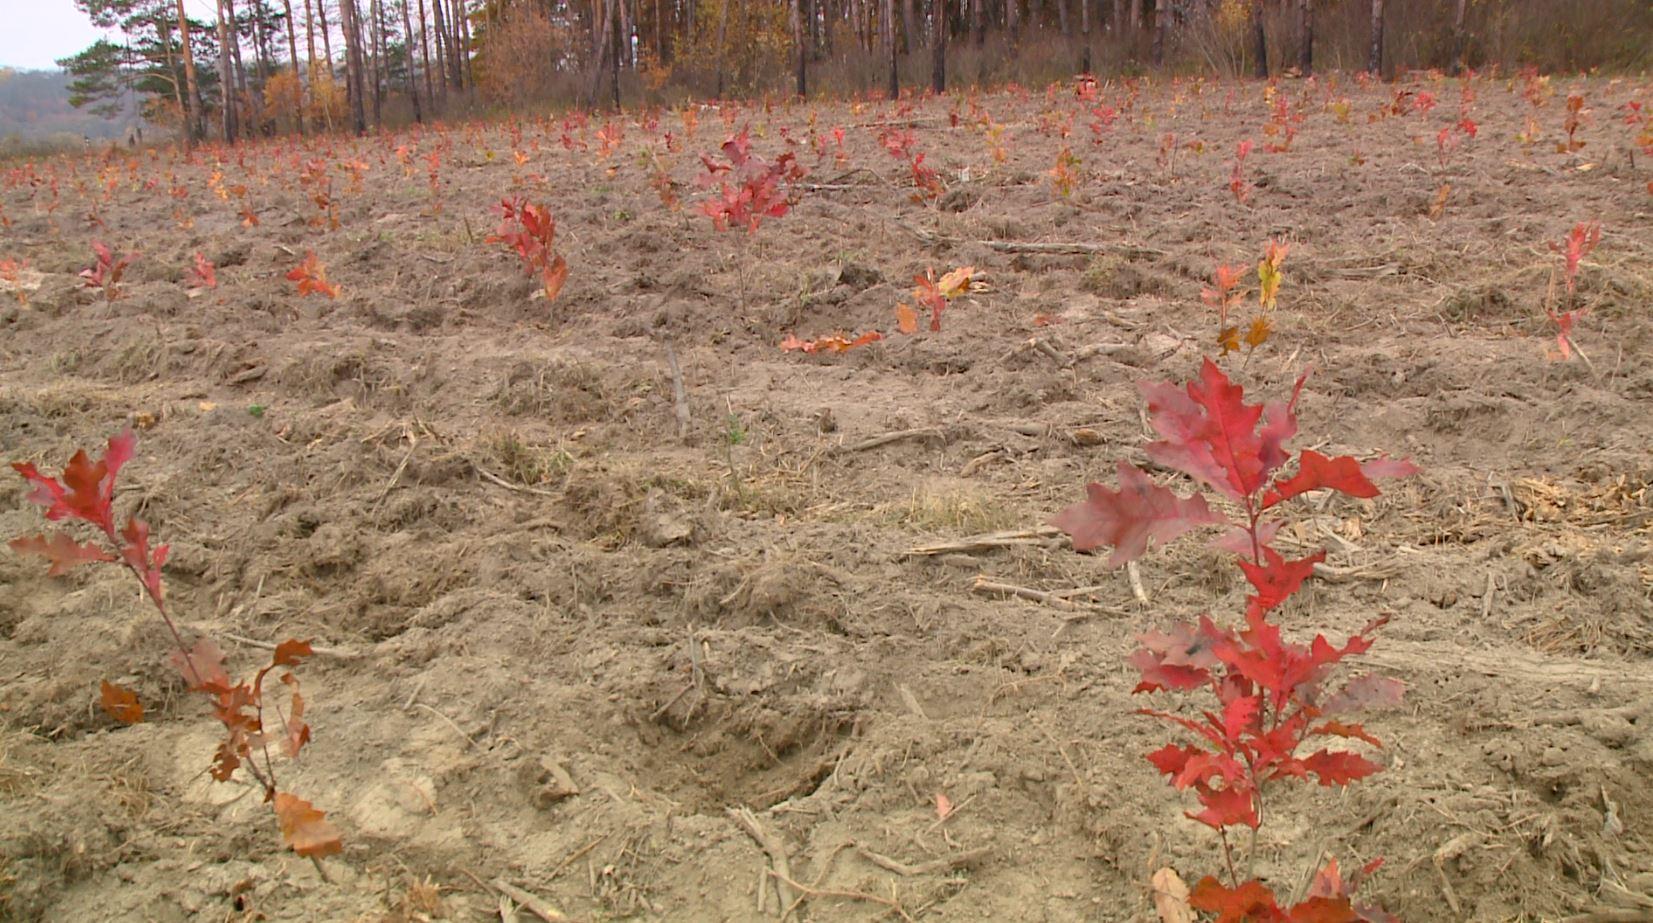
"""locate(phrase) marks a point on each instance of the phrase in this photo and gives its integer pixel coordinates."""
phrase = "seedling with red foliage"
(85, 493)
(1272, 696)
(107, 271)
(11, 272)
(530, 232)
(1577, 115)
(202, 274)
(762, 189)
(1582, 239)
(936, 294)
(1238, 185)
(311, 276)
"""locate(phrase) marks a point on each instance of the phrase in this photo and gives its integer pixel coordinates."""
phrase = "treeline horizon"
(270, 67)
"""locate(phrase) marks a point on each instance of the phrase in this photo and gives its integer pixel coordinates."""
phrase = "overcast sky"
(35, 33)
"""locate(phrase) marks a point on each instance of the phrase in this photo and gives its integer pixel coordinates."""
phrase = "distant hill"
(35, 110)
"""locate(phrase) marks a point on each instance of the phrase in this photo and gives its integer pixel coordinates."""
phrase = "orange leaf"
(305, 829)
(944, 806)
(289, 652)
(906, 319)
(555, 276)
(956, 282)
(120, 703)
(64, 552)
(202, 667)
(298, 732)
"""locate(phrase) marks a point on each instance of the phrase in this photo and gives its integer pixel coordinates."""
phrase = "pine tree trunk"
(909, 25)
(1305, 27)
(800, 46)
(722, 38)
(1085, 36)
(194, 116)
(1259, 41)
(603, 22)
(407, 53)
(1374, 53)
(244, 98)
(354, 81)
(375, 45)
(978, 23)
(165, 28)
(439, 25)
(462, 31)
(1012, 18)
(424, 53)
(226, 77)
(890, 49)
(1162, 27)
(326, 36)
(1460, 39)
(292, 58)
(938, 46)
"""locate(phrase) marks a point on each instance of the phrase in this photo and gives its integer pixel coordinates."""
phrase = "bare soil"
(569, 643)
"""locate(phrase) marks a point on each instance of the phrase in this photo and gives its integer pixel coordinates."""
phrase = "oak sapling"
(529, 231)
(311, 276)
(106, 270)
(761, 188)
(1579, 243)
(1272, 696)
(85, 493)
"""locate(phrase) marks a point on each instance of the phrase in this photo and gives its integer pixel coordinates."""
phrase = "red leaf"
(64, 552)
(1347, 731)
(1130, 518)
(1214, 436)
(297, 732)
(1339, 767)
(555, 275)
(1365, 692)
(1227, 807)
(1240, 715)
(120, 703)
(138, 556)
(87, 489)
(1180, 660)
(290, 653)
(1252, 900)
(1276, 579)
(1171, 759)
(305, 829)
(203, 667)
(1316, 471)
(1323, 910)
(1385, 467)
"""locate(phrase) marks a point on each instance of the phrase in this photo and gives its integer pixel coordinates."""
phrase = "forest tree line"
(277, 66)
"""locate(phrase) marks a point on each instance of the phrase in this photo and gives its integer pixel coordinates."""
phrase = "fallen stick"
(771, 845)
(986, 586)
(1068, 247)
(893, 904)
(988, 540)
(680, 398)
(531, 903)
(519, 488)
(343, 653)
(944, 864)
(873, 442)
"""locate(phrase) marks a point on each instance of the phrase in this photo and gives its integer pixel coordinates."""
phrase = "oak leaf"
(304, 828)
(120, 703)
(1130, 518)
